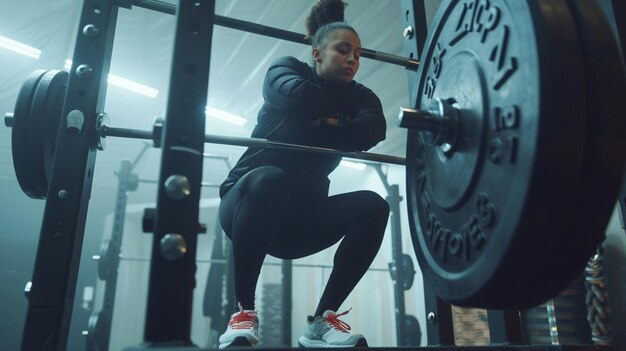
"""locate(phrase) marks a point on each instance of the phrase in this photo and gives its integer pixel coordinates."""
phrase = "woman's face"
(338, 60)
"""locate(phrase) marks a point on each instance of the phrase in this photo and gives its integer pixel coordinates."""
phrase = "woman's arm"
(288, 88)
(360, 131)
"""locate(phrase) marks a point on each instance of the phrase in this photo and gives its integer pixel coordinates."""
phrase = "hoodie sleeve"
(288, 87)
(363, 128)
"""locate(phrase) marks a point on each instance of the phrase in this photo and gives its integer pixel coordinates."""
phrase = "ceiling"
(143, 50)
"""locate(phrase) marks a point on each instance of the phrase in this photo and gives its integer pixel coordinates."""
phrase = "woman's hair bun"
(324, 12)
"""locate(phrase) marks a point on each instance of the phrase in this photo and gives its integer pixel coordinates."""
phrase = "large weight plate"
(35, 127)
(44, 127)
(605, 155)
(487, 216)
(20, 132)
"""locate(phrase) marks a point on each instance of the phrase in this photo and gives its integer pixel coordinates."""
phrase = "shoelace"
(243, 319)
(333, 319)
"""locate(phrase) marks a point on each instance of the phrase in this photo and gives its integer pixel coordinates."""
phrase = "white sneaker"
(328, 331)
(242, 330)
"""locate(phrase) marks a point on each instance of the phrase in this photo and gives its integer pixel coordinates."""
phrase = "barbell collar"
(440, 120)
(418, 119)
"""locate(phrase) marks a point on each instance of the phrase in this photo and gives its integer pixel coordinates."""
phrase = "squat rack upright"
(52, 290)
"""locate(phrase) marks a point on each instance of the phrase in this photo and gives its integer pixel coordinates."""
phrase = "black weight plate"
(20, 131)
(486, 218)
(55, 100)
(45, 114)
(408, 270)
(412, 331)
(605, 155)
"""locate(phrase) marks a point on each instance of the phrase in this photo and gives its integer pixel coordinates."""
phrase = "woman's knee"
(265, 183)
(250, 197)
(374, 204)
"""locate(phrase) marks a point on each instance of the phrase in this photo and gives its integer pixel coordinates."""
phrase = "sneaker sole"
(239, 341)
(361, 343)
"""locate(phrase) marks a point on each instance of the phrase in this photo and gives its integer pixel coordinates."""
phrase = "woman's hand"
(326, 120)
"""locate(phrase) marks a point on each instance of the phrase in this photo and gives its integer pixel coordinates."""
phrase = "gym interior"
(93, 244)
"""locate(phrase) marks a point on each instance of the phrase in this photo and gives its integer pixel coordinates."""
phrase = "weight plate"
(408, 271)
(20, 132)
(605, 155)
(487, 213)
(412, 331)
(45, 115)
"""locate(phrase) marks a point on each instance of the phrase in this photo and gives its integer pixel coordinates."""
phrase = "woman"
(276, 201)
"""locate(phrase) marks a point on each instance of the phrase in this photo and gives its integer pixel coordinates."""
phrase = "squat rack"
(53, 286)
(51, 293)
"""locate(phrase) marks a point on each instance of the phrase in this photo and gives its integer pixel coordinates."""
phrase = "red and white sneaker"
(328, 330)
(242, 330)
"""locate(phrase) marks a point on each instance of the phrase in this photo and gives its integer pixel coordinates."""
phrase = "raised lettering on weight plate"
(486, 210)
(439, 242)
(505, 65)
(438, 60)
(507, 119)
(475, 233)
(486, 19)
(477, 16)
(465, 23)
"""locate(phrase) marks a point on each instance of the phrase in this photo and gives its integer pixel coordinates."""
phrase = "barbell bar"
(104, 131)
(163, 7)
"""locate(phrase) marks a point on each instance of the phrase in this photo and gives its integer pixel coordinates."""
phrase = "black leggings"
(261, 216)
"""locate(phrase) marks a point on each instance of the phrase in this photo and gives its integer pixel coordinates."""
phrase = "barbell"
(515, 146)
(36, 120)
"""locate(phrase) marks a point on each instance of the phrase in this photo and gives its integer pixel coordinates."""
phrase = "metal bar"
(394, 199)
(57, 261)
(215, 157)
(363, 156)
(410, 63)
(127, 133)
(208, 260)
(261, 143)
(203, 184)
(99, 339)
(263, 30)
(158, 6)
(415, 32)
(286, 301)
(439, 326)
(173, 278)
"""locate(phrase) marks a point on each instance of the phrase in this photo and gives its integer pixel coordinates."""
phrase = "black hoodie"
(294, 97)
